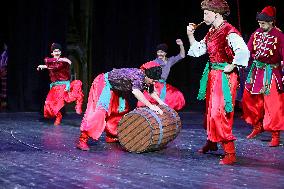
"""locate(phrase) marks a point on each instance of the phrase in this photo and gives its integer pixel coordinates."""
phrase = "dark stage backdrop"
(30, 27)
(124, 34)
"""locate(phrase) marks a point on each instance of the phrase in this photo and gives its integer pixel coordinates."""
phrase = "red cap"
(148, 65)
(267, 14)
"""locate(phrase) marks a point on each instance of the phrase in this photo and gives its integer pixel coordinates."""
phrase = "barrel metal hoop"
(174, 115)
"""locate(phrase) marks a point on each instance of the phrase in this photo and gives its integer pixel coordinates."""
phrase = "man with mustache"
(263, 97)
(168, 93)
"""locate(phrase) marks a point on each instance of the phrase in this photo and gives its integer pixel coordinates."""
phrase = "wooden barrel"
(144, 130)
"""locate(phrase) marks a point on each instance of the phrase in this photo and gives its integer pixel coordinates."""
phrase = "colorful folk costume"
(3, 78)
(62, 90)
(107, 101)
(169, 94)
(263, 98)
(219, 81)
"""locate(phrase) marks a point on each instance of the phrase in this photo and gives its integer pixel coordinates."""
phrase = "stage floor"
(36, 154)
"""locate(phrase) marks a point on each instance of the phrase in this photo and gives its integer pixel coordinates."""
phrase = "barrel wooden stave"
(139, 130)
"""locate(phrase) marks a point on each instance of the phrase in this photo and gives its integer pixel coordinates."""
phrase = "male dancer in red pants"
(62, 90)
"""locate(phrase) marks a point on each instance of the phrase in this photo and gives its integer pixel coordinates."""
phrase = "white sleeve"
(240, 49)
(197, 49)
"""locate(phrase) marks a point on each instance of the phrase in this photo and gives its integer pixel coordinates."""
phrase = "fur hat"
(268, 14)
(217, 6)
(55, 46)
(163, 47)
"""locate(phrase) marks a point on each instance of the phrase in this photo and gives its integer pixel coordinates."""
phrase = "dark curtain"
(32, 27)
(125, 33)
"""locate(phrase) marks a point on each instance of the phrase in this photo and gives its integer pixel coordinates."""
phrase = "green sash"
(66, 83)
(163, 92)
(225, 84)
(267, 74)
